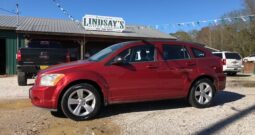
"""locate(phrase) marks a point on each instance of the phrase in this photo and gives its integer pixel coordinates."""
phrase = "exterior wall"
(249, 67)
(11, 49)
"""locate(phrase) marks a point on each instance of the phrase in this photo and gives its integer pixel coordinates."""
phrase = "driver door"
(136, 79)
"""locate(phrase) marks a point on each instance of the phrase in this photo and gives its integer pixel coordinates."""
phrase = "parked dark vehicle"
(39, 55)
(130, 72)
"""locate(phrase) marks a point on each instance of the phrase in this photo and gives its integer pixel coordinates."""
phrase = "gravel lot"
(232, 113)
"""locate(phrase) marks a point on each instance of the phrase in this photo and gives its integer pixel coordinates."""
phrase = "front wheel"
(202, 93)
(81, 102)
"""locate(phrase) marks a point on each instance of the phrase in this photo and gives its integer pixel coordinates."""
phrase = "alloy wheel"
(81, 102)
(203, 93)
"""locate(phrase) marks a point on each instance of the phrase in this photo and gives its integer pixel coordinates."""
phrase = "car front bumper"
(44, 97)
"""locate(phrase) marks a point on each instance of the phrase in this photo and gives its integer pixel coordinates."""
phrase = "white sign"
(103, 23)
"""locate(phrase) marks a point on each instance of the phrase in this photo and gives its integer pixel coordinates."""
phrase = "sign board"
(103, 23)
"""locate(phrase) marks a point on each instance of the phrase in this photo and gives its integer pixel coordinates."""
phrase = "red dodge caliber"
(132, 71)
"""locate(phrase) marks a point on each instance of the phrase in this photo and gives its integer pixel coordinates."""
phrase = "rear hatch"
(233, 60)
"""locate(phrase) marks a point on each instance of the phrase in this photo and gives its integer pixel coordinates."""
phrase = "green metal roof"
(66, 27)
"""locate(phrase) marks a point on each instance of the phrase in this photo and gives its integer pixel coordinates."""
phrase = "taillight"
(18, 56)
(223, 61)
(68, 56)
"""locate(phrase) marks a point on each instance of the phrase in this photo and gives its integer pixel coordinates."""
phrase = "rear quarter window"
(198, 53)
(233, 56)
(218, 54)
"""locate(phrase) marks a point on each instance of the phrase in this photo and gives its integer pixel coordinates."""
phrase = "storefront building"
(17, 32)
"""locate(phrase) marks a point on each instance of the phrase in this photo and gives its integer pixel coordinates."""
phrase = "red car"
(127, 72)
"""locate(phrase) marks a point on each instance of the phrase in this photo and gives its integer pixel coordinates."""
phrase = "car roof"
(225, 52)
(175, 41)
(169, 41)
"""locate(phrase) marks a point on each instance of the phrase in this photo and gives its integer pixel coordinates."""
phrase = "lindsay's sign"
(103, 23)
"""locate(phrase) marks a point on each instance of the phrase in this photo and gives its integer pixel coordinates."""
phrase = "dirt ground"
(233, 112)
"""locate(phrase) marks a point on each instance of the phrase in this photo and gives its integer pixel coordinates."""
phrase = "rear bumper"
(232, 69)
(221, 82)
(28, 68)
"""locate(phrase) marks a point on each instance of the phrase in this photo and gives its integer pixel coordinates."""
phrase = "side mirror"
(119, 61)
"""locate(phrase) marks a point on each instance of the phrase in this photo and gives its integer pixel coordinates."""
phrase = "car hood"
(65, 66)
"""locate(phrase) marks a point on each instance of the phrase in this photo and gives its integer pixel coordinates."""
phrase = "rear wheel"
(232, 73)
(81, 102)
(22, 79)
(201, 94)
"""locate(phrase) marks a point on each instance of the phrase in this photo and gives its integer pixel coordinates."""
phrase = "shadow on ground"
(239, 75)
(220, 99)
(223, 97)
(215, 128)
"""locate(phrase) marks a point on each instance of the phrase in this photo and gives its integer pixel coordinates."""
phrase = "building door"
(2, 56)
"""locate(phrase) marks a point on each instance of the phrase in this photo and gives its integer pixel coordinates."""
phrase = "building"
(16, 32)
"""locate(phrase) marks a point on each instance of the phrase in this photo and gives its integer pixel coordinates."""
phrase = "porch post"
(83, 49)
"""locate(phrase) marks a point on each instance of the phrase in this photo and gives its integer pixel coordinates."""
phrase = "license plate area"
(43, 67)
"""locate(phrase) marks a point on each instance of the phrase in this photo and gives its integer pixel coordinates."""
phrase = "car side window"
(198, 53)
(175, 52)
(139, 53)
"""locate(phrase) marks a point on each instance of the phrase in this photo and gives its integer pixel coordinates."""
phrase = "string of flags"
(64, 11)
(243, 18)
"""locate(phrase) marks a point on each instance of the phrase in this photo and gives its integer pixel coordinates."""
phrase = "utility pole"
(17, 25)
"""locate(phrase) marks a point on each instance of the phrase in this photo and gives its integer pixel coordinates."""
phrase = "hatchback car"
(232, 62)
(127, 72)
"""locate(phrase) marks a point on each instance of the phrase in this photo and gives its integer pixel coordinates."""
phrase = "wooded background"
(237, 36)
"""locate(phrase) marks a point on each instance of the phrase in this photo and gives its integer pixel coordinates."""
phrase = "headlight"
(50, 79)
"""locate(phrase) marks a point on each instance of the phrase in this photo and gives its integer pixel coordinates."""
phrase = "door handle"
(191, 64)
(151, 66)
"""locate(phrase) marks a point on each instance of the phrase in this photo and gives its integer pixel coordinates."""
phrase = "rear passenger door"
(176, 68)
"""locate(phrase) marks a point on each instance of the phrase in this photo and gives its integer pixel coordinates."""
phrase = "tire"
(58, 113)
(22, 79)
(202, 93)
(232, 73)
(77, 105)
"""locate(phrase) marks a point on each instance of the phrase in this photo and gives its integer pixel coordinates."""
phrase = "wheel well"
(199, 78)
(78, 82)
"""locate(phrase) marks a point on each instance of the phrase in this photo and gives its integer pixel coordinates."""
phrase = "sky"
(156, 13)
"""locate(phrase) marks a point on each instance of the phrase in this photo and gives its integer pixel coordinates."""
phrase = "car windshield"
(106, 52)
(233, 56)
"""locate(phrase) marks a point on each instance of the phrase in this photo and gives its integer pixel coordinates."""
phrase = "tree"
(237, 35)
(181, 35)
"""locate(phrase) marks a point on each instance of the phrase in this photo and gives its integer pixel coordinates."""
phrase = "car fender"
(201, 75)
(75, 76)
